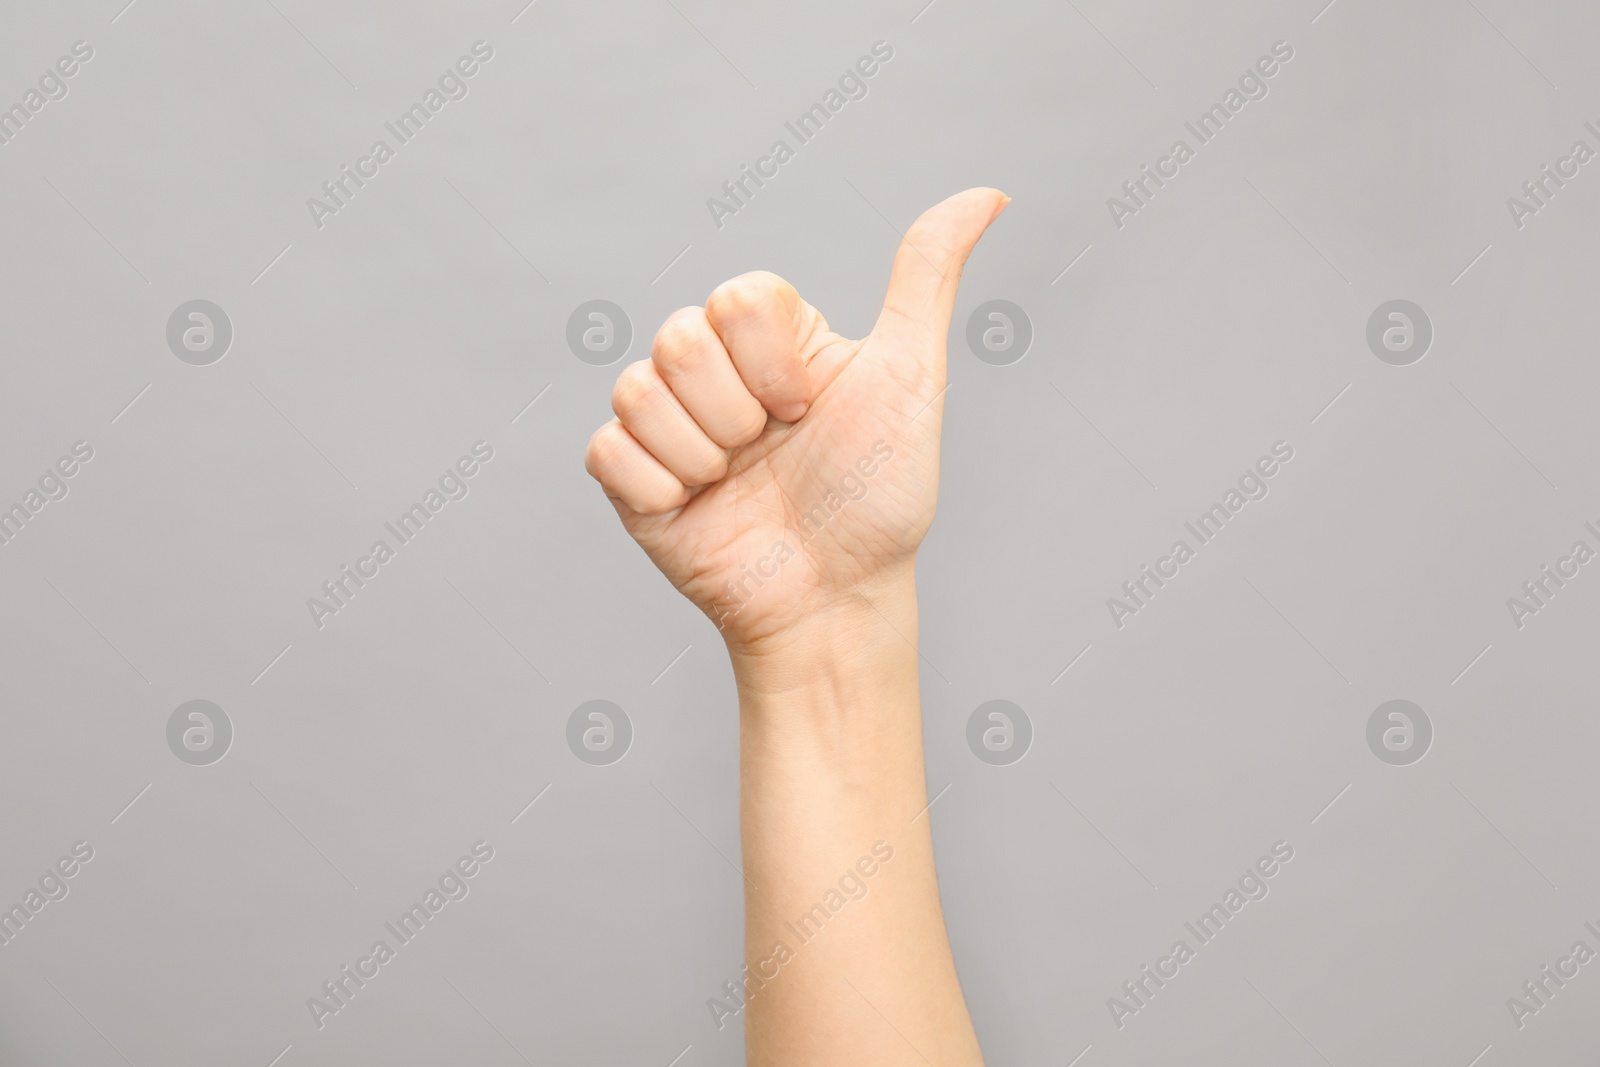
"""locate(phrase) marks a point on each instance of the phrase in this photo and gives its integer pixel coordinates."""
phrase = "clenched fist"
(774, 470)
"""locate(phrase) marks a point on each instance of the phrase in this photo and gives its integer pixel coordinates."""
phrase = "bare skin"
(783, 477)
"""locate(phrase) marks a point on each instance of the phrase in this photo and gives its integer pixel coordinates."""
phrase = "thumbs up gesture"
(774, 471)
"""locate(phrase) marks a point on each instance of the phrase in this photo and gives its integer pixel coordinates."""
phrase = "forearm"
(845, 942)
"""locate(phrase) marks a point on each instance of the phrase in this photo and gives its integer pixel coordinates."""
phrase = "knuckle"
(633, 391)
(679, 339)
(744, 424)
(772, 381)
(600, 457)
(739, 298)
(748, 426)
(660, 499)
(710, 468)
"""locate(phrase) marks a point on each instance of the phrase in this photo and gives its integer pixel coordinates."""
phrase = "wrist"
(838, 649)
(834, 707)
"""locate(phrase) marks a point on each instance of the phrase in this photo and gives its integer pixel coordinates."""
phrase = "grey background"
(370, 754)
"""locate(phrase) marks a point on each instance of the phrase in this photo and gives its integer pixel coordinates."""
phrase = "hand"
(774, 470)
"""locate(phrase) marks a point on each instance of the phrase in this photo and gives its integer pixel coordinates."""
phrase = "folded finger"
(756, 316)
(630, 474)
(657, 419)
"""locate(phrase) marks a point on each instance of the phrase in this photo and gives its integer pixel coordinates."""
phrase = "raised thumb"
(927, 268)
